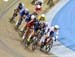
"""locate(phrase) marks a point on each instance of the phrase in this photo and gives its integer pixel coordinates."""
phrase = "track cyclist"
(27, 19)
(17, 10)
(23, 14)
(29, 25)
(45, 40)
(39, 25)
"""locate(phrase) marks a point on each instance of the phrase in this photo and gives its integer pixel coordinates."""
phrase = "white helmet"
(23, 4)
(56, 27)
(27, 9)
(33, 16)
(42, 15)
(38, 6)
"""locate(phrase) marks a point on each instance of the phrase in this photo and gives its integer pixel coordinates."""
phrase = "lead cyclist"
(49, 35)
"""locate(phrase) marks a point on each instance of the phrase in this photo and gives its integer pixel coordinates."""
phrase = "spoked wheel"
(34, 47)
(34, 43)
(48, 47)
(26, 42)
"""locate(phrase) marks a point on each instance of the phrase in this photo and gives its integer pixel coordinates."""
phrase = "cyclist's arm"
(57, 33)
(56, 36)
(30, 21)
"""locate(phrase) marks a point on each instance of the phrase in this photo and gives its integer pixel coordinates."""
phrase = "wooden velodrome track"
(10, 41)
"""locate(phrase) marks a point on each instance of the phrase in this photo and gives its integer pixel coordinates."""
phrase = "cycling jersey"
(28, 18)
(30, 24)
(24, 12)
(51, 32)
(36, 25)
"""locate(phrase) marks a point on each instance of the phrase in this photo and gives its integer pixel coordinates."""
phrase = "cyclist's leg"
(42, 40)
(14, 15)
(18, 23)
(49, 44)
(34, 32)
(24, 27)
(31, 35)
(24, 35)
(50, 40)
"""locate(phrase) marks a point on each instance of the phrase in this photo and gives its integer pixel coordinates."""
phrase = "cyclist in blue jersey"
(23, 14)
(16, 11)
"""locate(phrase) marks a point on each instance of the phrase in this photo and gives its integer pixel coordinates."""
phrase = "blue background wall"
(65, 18)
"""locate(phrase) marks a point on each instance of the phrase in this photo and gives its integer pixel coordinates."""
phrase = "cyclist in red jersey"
(38, 9)
(29, 25)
